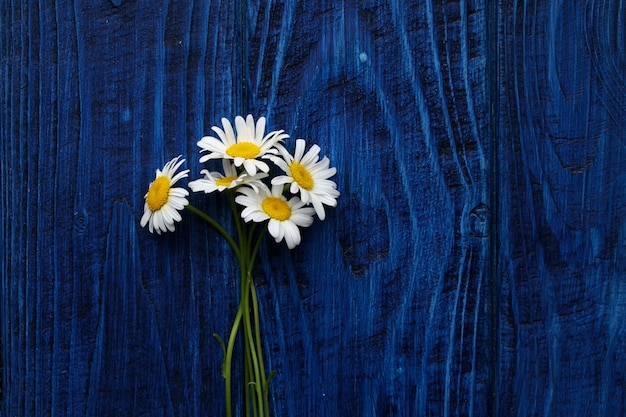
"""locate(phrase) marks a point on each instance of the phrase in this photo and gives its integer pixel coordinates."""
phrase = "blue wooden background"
(474, 266)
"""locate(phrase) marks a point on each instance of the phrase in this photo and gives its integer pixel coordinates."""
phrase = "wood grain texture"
(384, 310)
(561, 253)
(98, 317)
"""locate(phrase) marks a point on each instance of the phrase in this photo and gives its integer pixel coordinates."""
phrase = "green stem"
(239, 224)
(226, 367)
(257, 326)
(255, 250)
(256, 383)
(251, 325)
(259, 348)
(248, 363)
(245, 234)
(247, 317)
(217, 227)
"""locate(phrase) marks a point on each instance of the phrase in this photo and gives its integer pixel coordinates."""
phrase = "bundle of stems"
(247, 320)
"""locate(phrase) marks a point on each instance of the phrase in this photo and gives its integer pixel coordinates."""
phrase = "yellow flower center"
(158, 193)
(226, 181)
(246, 150)
(301, 175)
(276, 208)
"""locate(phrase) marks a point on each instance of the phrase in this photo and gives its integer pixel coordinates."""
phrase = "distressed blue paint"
(397, 330)
(95, 97)
(561, 245)
(387, 307)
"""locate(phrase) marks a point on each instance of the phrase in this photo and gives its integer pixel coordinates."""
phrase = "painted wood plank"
(561, 163)
(384, 309)
(98, 316)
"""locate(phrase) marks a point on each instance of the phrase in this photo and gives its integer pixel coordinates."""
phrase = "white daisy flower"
(164, 201)
(246, 148)
(308, 175)
(284, 216)
(216, 181)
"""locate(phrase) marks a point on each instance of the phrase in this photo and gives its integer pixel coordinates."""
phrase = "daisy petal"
(162, 201)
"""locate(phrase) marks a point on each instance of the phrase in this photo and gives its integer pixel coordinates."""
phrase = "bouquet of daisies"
(260, 203)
